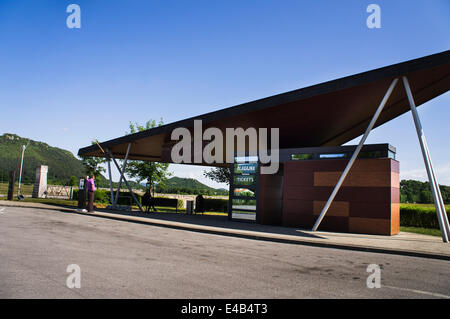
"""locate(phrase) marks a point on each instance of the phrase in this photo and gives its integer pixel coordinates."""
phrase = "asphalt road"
(127, 260)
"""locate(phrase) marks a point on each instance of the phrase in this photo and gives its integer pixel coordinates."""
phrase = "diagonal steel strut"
(437, 196)
(122, 172)
(355, 154)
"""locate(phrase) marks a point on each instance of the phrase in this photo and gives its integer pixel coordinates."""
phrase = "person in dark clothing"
(148, 201)
(91, 192)
(199, 204)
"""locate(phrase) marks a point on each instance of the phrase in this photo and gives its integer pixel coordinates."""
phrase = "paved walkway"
(408, 244)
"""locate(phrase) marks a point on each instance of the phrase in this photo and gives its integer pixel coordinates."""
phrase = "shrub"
(417, 216)
(215, 205)
(104, 197)
(125, 198)
(101, 196)
(180, 203)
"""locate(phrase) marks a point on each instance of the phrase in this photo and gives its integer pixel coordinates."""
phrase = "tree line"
(420, 192)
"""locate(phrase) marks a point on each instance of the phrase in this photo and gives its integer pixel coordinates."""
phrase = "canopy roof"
(326, 114)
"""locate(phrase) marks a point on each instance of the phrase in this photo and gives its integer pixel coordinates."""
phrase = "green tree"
(92, 165)
(426, 197)
(419, 192)
(219, 174)
(154, 173)
(73, 181)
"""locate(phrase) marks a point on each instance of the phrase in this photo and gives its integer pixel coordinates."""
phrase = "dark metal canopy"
(326, 114)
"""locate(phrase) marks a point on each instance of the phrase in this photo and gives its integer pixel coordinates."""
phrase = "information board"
(243, 191)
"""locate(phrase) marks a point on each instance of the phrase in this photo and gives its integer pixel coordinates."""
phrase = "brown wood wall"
(270, 198)
(368, 201)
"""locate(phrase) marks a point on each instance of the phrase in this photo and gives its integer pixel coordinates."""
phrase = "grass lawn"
(25, 189)
(51, 201)
(447, 206)
(419, 230)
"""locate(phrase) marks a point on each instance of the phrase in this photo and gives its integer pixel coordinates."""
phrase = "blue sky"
(136, 60)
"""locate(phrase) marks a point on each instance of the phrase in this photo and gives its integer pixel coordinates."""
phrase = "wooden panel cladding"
(351, 194)
(270, 198)
(305, 221)
(353, 179)
(395, 195)
(336, 208)
(369, 226)
(297, 207)
(299, 178)
(395, 180)
(370, 209)
(368, 201)
(330, 165)
(314, 165)
(395, 218)
(395, 166)
(334, 223)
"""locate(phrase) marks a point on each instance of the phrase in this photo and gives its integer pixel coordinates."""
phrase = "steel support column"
(122, 174)
(437, 197)
(355, 154)
(110, 180)
(125, 180)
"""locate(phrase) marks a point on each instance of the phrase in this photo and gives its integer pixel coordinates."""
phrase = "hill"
(62, 164)
(179, 185)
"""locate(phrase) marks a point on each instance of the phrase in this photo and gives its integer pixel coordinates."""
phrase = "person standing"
(146, 200)
(199, 204)
(91, 191)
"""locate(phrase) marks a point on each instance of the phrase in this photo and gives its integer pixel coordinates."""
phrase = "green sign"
(245, 168)
(244, 180)
(243, 190)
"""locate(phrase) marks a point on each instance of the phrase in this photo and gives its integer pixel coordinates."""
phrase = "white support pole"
(441, 202)
(355, 154)
(122, 174)
(24, 147)
(437, 197)
(438, 193)
(110, 180)
(20, 174)
(126, 182)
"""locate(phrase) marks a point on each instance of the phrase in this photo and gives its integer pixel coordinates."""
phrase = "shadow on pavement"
(212, 221)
